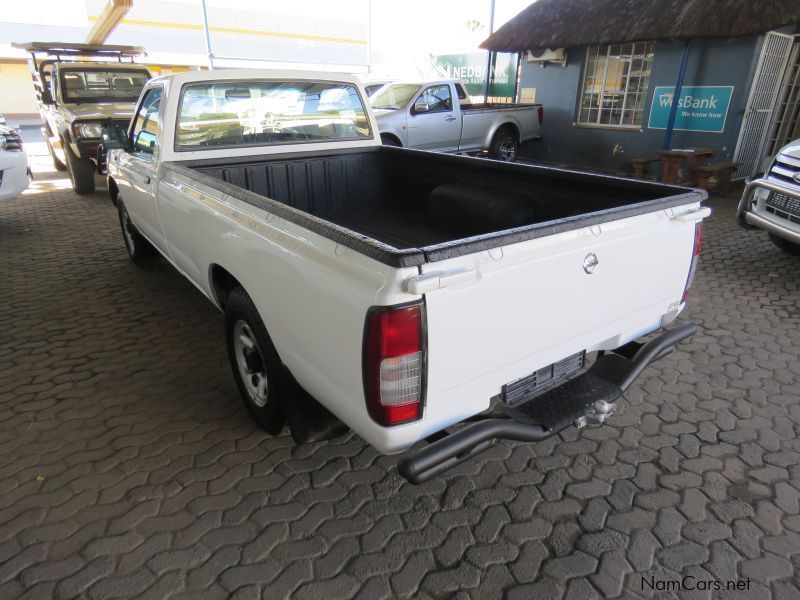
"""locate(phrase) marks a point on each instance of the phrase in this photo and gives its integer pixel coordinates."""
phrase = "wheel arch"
(393, 137)
(222, 283)
(506, 126)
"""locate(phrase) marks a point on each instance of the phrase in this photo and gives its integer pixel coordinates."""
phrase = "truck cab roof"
(228, 75)
(96, 64)
(99, 65)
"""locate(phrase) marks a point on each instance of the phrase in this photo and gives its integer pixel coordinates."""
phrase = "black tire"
(81, 172)
(785, 245)
(256, 363)
(59, 166)
(140, 251)
(504, 146)
(113, 192)
(388, 140)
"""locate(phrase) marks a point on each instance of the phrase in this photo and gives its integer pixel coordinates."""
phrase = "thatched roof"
(565, 23)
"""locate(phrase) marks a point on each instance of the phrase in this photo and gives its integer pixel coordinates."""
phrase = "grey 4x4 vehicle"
(772, 201)
(79, 91)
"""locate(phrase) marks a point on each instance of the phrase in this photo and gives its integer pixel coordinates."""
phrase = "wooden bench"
(640, 164)
(727, 169)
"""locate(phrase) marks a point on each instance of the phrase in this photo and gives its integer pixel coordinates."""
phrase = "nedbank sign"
(470, 70)
(700, 108)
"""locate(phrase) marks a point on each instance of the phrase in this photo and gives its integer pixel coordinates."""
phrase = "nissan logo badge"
(590, 263)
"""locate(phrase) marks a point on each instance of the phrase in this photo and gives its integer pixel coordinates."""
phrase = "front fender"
(398, 135)
(67, 140)
(395, 125)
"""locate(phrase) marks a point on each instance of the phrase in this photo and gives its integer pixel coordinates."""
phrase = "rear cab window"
(255, 113)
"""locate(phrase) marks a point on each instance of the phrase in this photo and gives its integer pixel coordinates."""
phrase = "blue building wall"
(730, 62)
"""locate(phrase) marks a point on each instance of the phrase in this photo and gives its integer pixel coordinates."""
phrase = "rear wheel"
(139, 249)
(785, 245)
(504, 146)
(60, 166)
(81, 172)
(254, 361)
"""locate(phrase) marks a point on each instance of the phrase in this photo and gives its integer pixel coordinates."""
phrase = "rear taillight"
(394, 364)
(698, 242)
(540, 112)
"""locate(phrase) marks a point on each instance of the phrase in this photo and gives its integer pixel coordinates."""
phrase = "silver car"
(439, 116)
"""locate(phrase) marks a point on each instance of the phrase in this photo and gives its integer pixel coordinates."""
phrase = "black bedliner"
(406, 207)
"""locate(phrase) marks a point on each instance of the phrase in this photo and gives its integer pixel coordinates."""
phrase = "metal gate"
(786, 121)
(761, 103)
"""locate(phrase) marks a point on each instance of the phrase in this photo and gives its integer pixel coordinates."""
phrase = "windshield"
(394, 96)
(249, 113)
(102, 85)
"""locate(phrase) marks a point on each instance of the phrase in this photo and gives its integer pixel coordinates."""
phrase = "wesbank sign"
(665, 101)
(700, 108)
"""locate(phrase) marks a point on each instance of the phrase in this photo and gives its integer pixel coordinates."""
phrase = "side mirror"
(115, 137)
(420, 106)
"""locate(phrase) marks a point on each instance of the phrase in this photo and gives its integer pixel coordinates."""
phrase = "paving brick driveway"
(128, 467)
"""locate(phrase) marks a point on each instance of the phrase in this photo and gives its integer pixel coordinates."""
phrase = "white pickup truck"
(438, 116)
(406, 292)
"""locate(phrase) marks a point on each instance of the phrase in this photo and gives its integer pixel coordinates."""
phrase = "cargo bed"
(406, 207)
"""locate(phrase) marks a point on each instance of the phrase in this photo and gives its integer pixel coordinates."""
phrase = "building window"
(615, 84)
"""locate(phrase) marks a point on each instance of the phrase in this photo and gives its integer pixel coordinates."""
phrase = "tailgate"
(499, 315)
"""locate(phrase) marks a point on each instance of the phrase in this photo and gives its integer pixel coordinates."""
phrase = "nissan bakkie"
(420, 299)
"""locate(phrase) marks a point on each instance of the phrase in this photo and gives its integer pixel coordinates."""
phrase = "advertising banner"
(470, 70)
(700, 108)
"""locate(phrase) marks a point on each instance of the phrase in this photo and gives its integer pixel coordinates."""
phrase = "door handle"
(147, 179)
(449, 118)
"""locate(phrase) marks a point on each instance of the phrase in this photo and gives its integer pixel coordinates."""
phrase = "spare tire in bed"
(473, 210)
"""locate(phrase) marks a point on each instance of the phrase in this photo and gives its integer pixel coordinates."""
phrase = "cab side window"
(438, 98)
(147, 127)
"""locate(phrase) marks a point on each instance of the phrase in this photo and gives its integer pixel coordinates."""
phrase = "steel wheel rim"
(250, 363)
(507, 151)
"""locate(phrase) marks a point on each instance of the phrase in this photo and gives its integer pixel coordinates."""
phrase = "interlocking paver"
(406, 580)
(456, 543)
(610, 576)
(115, 391)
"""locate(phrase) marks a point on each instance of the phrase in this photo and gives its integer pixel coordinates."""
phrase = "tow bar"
(590, 398)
